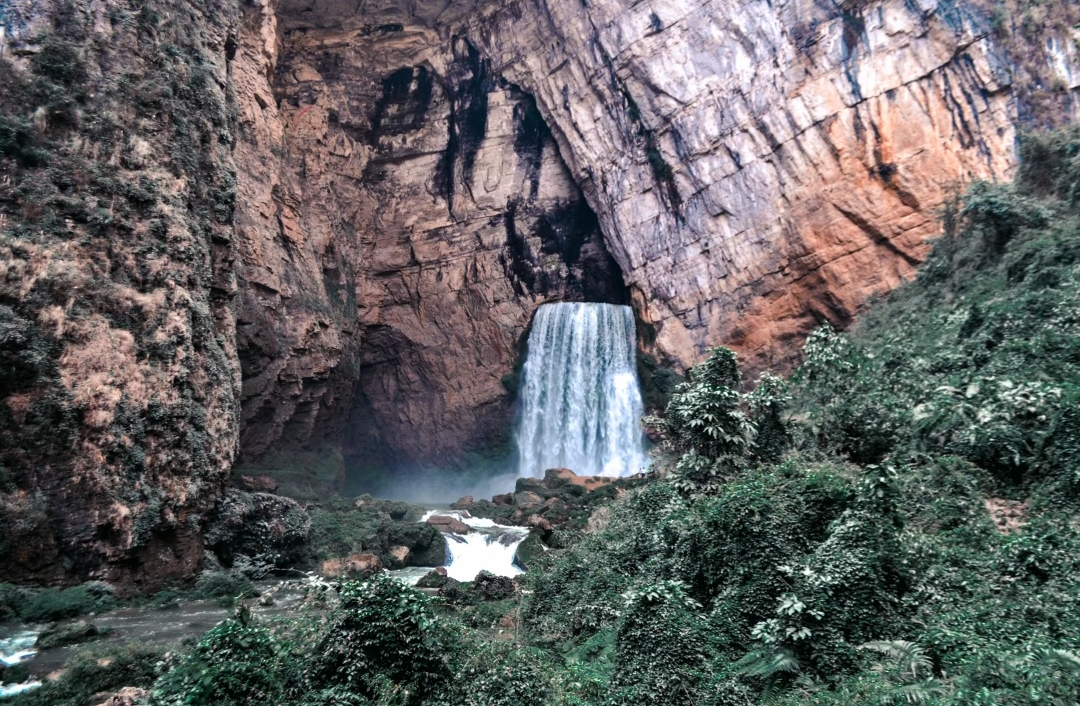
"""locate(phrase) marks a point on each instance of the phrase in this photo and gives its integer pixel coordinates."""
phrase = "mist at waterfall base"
(579, 407)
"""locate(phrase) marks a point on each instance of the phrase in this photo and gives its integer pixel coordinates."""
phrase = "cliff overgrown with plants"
(895, 523)
(117, 354)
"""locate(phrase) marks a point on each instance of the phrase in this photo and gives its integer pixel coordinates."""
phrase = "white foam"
(489, 547)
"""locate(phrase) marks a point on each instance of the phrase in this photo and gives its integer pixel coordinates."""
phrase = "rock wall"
(756, 168)
(403, 210)
(759, 167)
(118, 377)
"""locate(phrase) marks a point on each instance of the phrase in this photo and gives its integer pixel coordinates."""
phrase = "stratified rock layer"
(756, 169)
(402, 212)
(759, 167)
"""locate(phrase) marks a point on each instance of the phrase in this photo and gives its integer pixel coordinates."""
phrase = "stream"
(488, 547)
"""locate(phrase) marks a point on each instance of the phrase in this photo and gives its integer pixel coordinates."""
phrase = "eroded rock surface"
(759, 167)
(403, 212)
(118, 375)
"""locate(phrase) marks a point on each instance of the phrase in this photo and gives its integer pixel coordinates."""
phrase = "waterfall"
(581, 403)
(488, 547)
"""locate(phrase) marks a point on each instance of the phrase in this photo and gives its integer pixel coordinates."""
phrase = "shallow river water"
(488, 547)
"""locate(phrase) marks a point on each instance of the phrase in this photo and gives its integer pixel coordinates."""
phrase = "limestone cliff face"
(403, 210)
(759, 167)
(118, 375)
(755, 168)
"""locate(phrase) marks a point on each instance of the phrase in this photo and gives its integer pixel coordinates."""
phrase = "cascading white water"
(488, 547)
(581, 402)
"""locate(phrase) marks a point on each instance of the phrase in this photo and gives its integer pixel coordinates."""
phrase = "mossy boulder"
(71, 634)
(269, 529)
(530, 551)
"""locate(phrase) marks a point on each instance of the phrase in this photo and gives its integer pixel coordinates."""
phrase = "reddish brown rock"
(463, 503)
(354, 566)
(539, 522)
(504, 499)
(527, 500)
(399, 556)
(445, 523)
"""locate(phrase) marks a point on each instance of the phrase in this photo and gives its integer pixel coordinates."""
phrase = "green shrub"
(52, 604)
(383, 630)
(237, 663)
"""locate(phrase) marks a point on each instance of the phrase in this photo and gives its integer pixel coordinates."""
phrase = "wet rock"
(504, 499)
(398, 556)
(356, 566)
(445, 523)
(267, 599)
(527, 500)
(529, 552)
(14, 674)
(463, 503)
(436, 578)
(426, 543)
(58, 635)
(258, 484)
(490, 587)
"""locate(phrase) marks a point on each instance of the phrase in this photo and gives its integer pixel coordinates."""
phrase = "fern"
(919, 692)
(1065, 660)
(768, 662)
(905, 659)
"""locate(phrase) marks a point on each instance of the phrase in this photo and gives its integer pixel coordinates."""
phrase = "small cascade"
(16, 649)
(581, 402)
(489, 547)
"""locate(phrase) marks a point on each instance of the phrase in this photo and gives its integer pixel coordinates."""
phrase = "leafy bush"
(52, 604)
(236, 663)
(382, 632)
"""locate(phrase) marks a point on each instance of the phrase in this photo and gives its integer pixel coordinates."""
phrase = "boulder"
(463, 503)
(446, 523)
(398, 556)
(436, 578)
(529, 552)
(426, 543)
(539, 522)
(555, 506)
(354, 566)
(258, 484)
(59, 635)
(267, 528)
(490, 587)
(527, 500)
(504, 499)
(128, 696)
